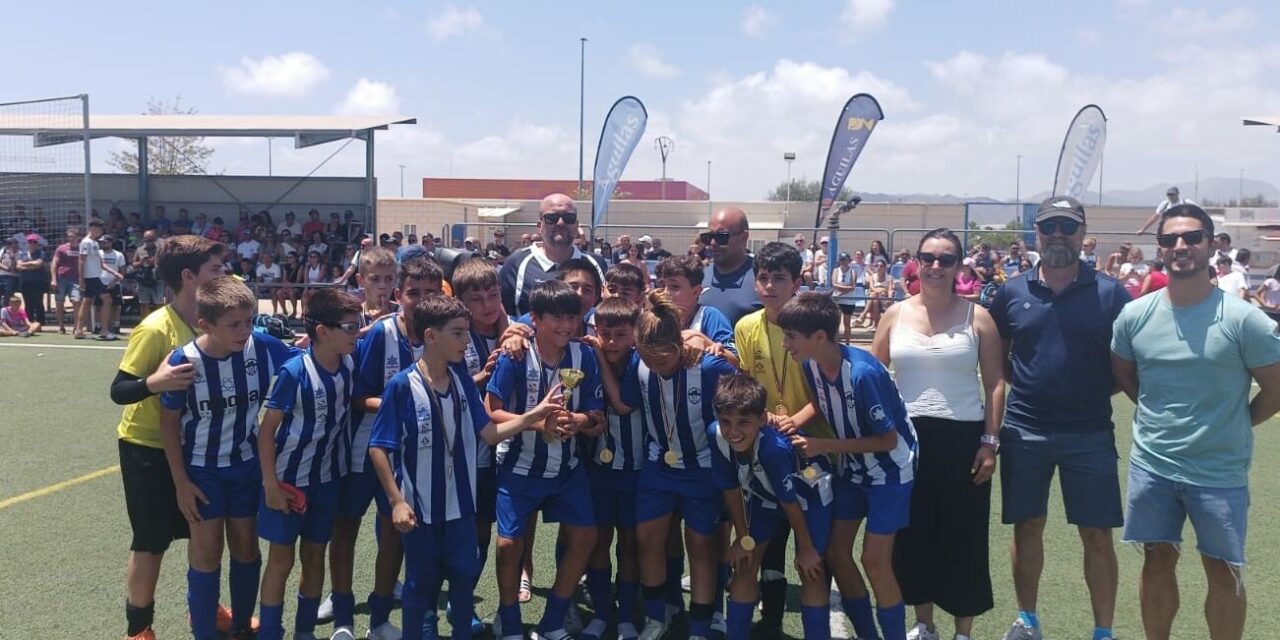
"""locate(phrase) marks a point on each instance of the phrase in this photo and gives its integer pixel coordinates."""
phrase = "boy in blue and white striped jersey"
(209, 431)
(385, 348)
(614, 462)
(542, 471)
(307, 413)
(766, 484)
(876, 448)
(432, 423)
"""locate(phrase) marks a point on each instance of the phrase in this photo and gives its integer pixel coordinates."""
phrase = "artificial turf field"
(64, 547)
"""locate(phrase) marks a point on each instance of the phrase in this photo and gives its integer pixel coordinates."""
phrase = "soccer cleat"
(593, 631)
(384, 631)
(343, 633)
(572, 620)
(430, 626)
(627, 631)
(719, 628)
(921, 632)
(325, 613)
(145, 634)
(653, 630)
(766, 629)
(1020, 631)
(303, 635)
(558, 634)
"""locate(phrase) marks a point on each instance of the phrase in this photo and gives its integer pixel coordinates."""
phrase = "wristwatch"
(991, 442)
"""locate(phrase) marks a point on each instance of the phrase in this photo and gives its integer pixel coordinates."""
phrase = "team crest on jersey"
(390, 368)
(322, 401)
(877, 413)
(424, 415)
(424, 439)
(849, 403)
(532, 387)
(695, 396)
(251, 367)
(228, 385)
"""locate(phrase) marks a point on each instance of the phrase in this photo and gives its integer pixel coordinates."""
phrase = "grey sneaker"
(1020, 631)
(921, 632)
(653, 630)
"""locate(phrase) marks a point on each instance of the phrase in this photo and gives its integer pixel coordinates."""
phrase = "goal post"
(45, 166)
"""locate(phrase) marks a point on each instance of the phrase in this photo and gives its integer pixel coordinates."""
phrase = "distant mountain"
(928, 198)
(1218, 190)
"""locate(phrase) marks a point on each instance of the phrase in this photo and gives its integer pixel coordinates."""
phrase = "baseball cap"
(1060, 206)
(471, 239)
(844, 256)
(33, 238)
(411, 251)
(645, 239)
(824, 240)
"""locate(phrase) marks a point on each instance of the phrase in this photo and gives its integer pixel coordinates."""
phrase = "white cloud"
(455, 22)
(756, 21)
(866, 15)
(1205, 24)
(370, 97)
(293, 74)
(647, 61)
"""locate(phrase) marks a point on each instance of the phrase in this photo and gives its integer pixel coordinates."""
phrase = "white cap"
(645, 239)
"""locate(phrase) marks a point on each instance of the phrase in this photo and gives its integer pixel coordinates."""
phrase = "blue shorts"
(67, 288)
(316, 525)
(613, 493)
(1087, 463)
(487, 494)
(437, 552)
(232, 491)
(1158, 508)
(662, 490)
(566, 499)
(885, 507)
(357, 489)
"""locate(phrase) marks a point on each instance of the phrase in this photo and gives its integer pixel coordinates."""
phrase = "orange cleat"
(147, 634)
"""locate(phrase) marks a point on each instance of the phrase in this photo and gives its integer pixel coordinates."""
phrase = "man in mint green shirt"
(1187, 355)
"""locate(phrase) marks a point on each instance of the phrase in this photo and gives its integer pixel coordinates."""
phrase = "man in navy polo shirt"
(533, 265)
(1056, 324)
(730, 281)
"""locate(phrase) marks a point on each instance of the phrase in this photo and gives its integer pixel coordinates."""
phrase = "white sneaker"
(1020, 631)
(672, 612)
(719, 627)
(303, 635)
(627, 631)
(558, 634)
(342, 633)
(921, 632)
(686, 583)
(653, 630)
(572, 621)
(325, 614)
(594, 630)
(384, 631)
(397, 591)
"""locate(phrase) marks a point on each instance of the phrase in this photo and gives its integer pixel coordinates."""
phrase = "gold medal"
(780, 410)
(671, 458)
(606, 456)
(810, 472)
(747, 543)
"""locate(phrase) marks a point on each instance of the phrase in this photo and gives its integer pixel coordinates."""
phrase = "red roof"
(496, 189)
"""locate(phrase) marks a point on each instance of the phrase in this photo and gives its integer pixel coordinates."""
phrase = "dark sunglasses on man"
(945, 260)
(1052, 225)
(567, 217)
(1170, 240)
(721, 237)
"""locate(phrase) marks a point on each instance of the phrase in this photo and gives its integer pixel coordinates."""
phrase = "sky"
(966, 87)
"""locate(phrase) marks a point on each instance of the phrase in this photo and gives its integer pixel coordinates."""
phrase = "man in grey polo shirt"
(730, 282)
(1056, 324)
(1186, 355)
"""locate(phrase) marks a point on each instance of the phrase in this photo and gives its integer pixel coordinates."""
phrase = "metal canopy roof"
(1273, 121)
(305, 130)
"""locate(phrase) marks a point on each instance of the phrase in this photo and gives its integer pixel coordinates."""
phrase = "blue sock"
(202, 602)
(344, 610)
(675, 571)
(271, 625)
(699, 619)
(739, 619)
(1029, 618)
(893, 621)
(627, 592)
(859, 612)
(723, 572)
(654, 606)
(411, 621)
(482, 556)
(379, 610)
(512, 625)
(601, 590)
(817, 623)
(1101, 633)
(553, 615)
(304, 621)
(244, 592)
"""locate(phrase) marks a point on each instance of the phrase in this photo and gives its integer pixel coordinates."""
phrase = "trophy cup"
(570, 378)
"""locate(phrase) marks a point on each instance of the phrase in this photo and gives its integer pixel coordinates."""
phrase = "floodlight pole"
(665, 146)
(401, 181)
(582, 103)
(790, 157)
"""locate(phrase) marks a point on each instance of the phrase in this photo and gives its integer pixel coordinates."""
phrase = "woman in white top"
(314, 273)
(938, 341)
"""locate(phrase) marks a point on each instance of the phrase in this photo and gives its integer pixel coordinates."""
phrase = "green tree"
(995, 237)
(1258, 201)
(804, 191)
(167, 156)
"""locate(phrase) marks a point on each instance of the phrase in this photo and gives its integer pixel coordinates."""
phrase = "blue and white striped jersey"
(521, 385)
(317, 412)
(772, 475)
(478, 350)
(381, 353)
(434, 439)
(863, 401)
(625, 435)
(710, 322)
(681, 403)
(220, 408)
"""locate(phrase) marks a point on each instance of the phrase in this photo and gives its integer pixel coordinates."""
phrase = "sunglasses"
(1049, 227)
(721, 237)
(945, 260)
(556, 218)
(1191, 238)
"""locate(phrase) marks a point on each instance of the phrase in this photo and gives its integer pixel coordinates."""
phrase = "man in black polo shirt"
(1056, 324)
(530, 266)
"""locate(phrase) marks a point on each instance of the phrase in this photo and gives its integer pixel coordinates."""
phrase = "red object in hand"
(297, 499)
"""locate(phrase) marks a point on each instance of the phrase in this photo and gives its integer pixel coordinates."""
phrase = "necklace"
(670, 457)
(437, 410)
(546, 381)
(778, 380)
(747, 542)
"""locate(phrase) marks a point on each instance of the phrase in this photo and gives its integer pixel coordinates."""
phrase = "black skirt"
(942, 557)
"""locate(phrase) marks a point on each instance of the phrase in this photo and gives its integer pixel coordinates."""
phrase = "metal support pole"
(88, 167)
(582, 105)
(144, 178)
(371, 213)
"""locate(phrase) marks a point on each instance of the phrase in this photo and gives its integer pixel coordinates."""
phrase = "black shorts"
(847, 309)
(93, 287)
(150, 498)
